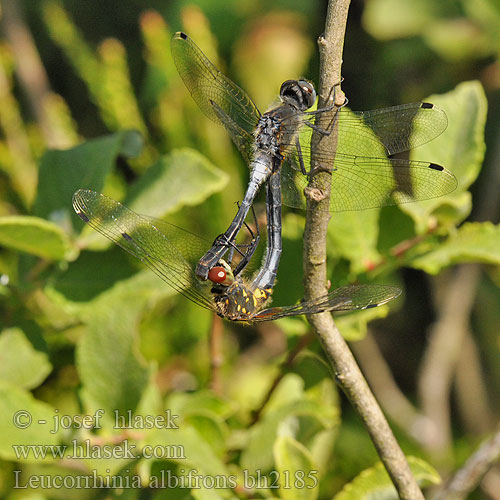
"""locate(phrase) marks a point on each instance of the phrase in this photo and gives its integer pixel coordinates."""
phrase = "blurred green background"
(83, 326)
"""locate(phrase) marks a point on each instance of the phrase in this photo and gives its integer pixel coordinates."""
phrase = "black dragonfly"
(273, 142)
(172, 253)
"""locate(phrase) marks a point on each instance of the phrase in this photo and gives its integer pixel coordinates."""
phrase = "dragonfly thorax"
(239, 302)
(267, 135)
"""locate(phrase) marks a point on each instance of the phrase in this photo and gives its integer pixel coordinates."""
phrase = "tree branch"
(467, 478)
(395, 404)
(443, 352)
(216, 355)
(29, 68)
(346, 371)
(471, 389)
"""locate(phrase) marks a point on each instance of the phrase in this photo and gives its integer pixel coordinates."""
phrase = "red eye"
(217, 274)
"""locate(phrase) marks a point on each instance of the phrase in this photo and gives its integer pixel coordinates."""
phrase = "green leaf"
(313, 370)
(132, 143)
(298, 477)
(304, 415)
(412, 15)
(113, 374)
(188, 449)
(84, 166)
(473, 242)
(35, 236)
(375, 483)
(183, 177)
(290, 389)
(460, 149)
(14, 400)
(459, 41)
(94, 273)
(20, 363)
(87, 292)
(353, 236)
(211, 429)
(187, 403)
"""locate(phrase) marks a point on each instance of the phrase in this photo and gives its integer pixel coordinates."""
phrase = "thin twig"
(471, 390)
(443, 352)
(468, 477)
(395, 404)
(347, 373)
(215, 353)
(304, 341)
(29, 68)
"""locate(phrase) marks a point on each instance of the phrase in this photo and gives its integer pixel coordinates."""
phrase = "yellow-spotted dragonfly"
(172, 253)
(273, 142)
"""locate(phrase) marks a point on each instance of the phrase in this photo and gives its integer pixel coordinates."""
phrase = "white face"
(300, 93)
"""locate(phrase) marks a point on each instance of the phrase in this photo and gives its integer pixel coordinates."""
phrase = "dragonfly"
(172, 253)
(279, 142)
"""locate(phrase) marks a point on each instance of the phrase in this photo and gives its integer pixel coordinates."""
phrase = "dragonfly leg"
(223, 241)
(300, 157)
(251, 247)
(331, 106)
(328, 130)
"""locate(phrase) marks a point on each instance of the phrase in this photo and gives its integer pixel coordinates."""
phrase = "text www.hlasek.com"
(87, 450)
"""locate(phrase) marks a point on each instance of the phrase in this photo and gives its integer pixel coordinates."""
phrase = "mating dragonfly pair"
(276, 146)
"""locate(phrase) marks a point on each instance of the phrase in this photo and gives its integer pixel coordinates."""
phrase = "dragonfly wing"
(162, 250)
(241, 138)
(385, 131)
(347, 298)
(362, 174)
(398, 128)
(216, 95)
(359, 183)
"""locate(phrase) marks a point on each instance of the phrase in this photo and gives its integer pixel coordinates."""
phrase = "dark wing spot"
(427, 105)
(127, 236)
(82, 216)
(435, 166)
(183, 35)
(370, 306)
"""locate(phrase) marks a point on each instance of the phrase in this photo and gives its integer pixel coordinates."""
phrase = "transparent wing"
(216, 95)
(397, 129)
(362, 174)
(359, 183)
(347, 298)
(167, 250)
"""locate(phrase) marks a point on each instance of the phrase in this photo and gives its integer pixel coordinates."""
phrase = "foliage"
(85, 330)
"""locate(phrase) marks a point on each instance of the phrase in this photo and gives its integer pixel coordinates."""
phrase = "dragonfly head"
(299, 93)
(221, 274)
